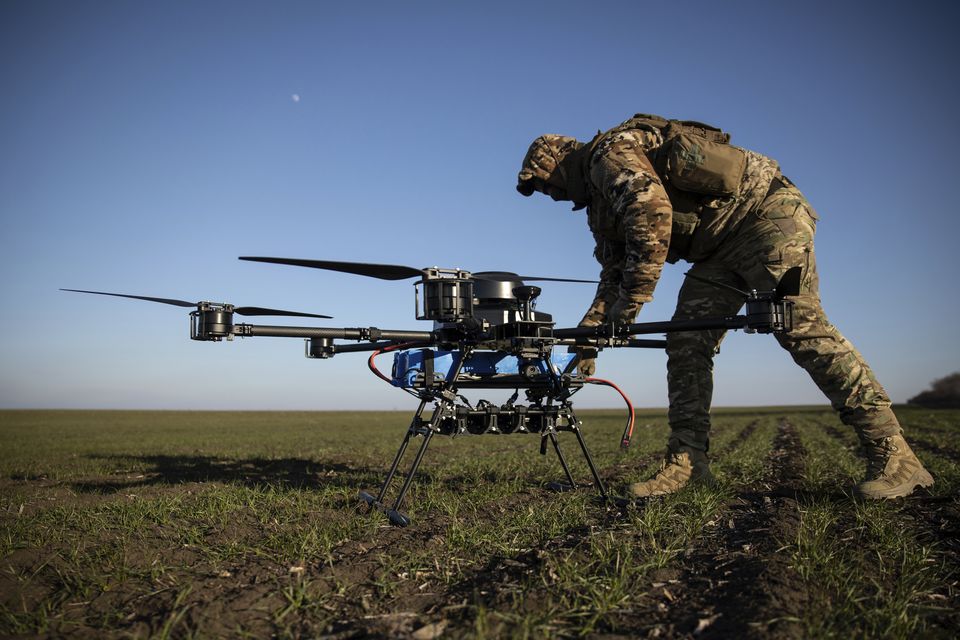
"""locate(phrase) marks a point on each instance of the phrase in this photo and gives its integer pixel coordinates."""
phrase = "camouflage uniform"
(747, 240)
(754, 256)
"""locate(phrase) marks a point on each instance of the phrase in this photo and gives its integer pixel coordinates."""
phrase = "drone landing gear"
(571, 483)
(452, 420)
(377, 503)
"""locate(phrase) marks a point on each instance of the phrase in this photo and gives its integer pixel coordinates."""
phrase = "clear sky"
(145, 146)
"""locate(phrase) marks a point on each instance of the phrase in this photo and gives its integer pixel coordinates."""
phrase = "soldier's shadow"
(283, 473)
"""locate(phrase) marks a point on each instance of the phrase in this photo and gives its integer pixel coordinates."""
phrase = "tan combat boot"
(681, 466)
(893, 470)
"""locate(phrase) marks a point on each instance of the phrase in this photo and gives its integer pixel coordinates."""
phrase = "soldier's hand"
(587, 362)
(587, 367)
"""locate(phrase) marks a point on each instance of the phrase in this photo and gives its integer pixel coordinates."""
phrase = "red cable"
(392, 347)
(373, 367)
(628, 430)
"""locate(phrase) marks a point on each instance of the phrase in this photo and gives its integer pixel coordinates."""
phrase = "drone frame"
(454, 300)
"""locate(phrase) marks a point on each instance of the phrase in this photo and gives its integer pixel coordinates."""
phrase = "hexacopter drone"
(486, 334)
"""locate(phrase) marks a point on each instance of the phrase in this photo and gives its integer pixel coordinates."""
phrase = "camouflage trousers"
(778, 236)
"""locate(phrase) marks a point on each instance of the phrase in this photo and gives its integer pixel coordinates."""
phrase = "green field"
(204, 524)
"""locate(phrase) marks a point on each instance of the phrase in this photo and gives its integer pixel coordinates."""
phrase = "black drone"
(487, 334)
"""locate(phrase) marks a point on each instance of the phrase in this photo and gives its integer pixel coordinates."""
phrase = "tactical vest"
(697, 165)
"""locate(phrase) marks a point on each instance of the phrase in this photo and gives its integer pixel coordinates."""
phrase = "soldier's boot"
(893, 470)
(682, 466)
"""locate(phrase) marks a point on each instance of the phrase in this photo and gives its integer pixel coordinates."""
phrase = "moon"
(295, 97)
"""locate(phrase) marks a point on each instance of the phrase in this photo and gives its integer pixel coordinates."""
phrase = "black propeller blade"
(382, 271)
(263, 311)
(177, 303)
(243, 311)
(789, 284)
(393, 271)
(506, 275)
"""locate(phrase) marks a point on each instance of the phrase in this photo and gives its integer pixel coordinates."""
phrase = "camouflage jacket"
(632, 218)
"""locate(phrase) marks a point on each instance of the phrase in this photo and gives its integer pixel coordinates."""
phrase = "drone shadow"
(285, 473)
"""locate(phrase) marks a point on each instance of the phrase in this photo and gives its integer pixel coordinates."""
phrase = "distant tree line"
(943, 394)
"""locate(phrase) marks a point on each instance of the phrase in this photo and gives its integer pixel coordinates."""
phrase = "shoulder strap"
(711, 133)
(673, 128)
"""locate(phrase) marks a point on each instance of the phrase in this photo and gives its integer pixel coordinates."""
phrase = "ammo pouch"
(694, 163)
(696, 158)
(681, 235)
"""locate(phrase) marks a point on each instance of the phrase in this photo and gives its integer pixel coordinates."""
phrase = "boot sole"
(921, 478)
(652, 494)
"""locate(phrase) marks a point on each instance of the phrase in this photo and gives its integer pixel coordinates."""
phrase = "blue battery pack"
(411, 367)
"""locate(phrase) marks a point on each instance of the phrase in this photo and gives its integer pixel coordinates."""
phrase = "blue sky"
(144, 146)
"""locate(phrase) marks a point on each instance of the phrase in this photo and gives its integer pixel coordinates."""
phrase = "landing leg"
(396, 463)
(556, 486)
(377, 503)
(394, 514)
(586, 454)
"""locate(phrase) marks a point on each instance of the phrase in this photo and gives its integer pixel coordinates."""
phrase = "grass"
(907, 567)
(180, 524)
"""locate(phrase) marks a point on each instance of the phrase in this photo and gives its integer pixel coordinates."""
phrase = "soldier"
(660, 190)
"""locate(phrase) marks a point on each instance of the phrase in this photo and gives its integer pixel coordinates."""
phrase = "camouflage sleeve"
(610, 256)
(624, 177)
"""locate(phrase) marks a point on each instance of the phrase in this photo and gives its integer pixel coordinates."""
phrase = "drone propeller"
(789, 284)
(382, 271)
(243, 311)
(395, 271)
(506, 275)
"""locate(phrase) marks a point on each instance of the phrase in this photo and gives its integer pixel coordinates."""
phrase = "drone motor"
(212, 322)
(319, 348)
(447, 295)
(766, 314)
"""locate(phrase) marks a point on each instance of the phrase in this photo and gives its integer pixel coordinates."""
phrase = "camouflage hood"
(558, 161)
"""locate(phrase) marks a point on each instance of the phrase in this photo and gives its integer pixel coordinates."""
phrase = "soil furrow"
(741, 437)
(837, 433)
(925, 446)
(737, 582)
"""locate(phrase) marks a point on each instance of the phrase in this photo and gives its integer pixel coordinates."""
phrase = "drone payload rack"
(487, 334)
